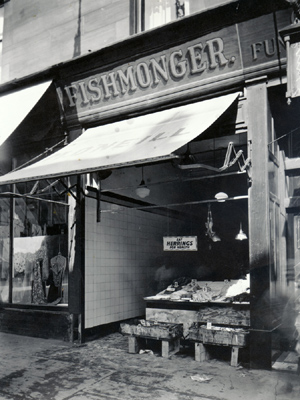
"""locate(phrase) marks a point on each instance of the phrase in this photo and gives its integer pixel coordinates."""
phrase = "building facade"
(123, 125)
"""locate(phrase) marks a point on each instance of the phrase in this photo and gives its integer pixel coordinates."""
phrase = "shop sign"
(224, 54)
(291, 37)
(200, 59)
(180, 243)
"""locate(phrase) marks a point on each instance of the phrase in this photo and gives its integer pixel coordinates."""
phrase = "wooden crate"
(168, 334)
(218, 335)
(225, 316)
(151, 329)
(188, 313)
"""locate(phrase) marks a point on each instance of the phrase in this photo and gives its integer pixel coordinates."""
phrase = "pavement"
(46, 369)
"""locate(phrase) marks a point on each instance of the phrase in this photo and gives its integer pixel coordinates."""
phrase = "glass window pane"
(159, 12)
(40, 273)
(4, 249)
(40, 251)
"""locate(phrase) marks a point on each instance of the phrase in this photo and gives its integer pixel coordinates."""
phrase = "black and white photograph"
(149, 199)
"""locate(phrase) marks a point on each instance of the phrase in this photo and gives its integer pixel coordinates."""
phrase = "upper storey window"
(154, 13)
(148, 14)
(1, 35)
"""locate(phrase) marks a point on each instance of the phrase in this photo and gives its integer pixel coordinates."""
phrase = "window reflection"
(4, 249)
(38, 270)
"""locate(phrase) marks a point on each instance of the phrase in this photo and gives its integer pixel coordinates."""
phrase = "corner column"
(259, 132)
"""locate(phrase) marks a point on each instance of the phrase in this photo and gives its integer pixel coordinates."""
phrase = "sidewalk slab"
(45, 369)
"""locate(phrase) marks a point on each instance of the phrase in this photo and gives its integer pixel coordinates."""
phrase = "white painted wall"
(120, 258)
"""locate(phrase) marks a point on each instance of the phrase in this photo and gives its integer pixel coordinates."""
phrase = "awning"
(14, 107)
(149, 138)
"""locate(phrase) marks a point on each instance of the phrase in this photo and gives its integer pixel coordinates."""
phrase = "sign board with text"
(180, 243)
(224, 55)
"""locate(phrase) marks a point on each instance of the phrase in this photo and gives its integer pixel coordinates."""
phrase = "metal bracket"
(228, 162)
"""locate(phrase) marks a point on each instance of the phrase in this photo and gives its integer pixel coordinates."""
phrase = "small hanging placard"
(291, 38)
(180, 243)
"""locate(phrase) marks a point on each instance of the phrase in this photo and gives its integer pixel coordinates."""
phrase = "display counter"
(222, 309)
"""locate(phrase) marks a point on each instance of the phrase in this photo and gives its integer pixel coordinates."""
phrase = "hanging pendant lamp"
(209, 224)
(241, 235)
(142, 190)
(221, 197)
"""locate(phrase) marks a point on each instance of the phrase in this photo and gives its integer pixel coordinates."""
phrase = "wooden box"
(151, 329)
(225, 316)
(218, 335)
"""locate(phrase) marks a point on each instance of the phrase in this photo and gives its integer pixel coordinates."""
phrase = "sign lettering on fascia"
(217, 56)
(191, 62)
(180, 243)
(198, 58)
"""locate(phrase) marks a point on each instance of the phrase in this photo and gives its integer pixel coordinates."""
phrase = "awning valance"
(148, 138)
(14, 107)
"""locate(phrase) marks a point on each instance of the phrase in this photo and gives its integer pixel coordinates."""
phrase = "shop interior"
(201, 193)
(208, 182)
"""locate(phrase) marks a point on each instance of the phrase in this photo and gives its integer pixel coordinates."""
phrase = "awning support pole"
(77, 262)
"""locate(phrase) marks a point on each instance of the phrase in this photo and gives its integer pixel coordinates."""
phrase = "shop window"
(4, 249)
(37, 269)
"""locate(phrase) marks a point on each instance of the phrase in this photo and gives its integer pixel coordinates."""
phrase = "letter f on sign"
(71, 93)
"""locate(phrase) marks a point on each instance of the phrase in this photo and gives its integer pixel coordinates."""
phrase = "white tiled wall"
(119, 255)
